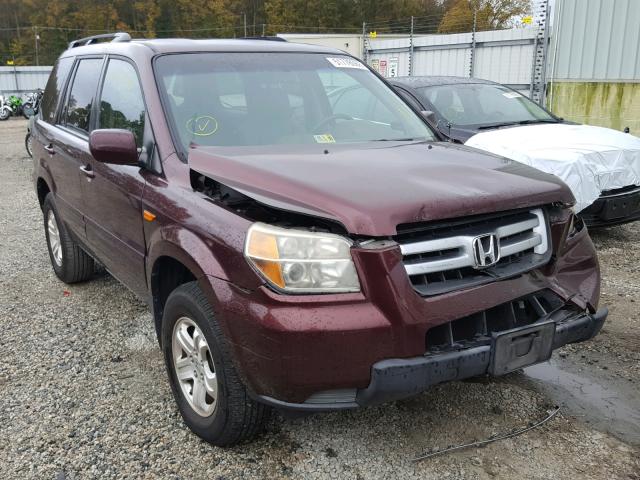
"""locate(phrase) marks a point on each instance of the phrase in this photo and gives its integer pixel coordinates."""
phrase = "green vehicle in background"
(10, 106)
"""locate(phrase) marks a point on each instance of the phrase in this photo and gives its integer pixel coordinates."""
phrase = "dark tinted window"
(82, 93)
(121, 104)
(54, 88)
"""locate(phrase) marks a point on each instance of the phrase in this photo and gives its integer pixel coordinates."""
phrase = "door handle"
(88, 171)
(49, 149)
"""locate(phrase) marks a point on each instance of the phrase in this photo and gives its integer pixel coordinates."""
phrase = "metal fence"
(18, 80)
(505, 56)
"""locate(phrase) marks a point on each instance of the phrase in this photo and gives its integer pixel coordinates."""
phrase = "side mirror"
(114, 146)
(430, 117)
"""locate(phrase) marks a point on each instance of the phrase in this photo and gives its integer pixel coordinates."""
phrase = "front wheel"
(212, 399)
(5, 113)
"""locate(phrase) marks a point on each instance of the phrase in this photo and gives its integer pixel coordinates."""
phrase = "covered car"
(600, 165)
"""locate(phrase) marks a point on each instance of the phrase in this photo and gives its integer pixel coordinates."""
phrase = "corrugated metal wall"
(17, 80)
(596, 40)
(350, 43)
(504, 56)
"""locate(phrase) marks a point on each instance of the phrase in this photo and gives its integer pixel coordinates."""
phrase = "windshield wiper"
(395, 139)
(528, 122)
(521, 122)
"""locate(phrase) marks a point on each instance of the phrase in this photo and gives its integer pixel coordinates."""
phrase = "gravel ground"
(83, 390)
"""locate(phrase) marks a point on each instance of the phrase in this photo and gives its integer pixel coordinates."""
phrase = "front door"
(113, 193)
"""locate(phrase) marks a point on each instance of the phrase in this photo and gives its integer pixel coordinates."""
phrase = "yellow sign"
(527, 20)
(9, 62)
(373, 34)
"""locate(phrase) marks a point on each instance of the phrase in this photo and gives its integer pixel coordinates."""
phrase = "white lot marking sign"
(393, 67)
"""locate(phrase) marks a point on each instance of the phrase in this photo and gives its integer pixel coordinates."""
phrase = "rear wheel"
(28, 140)
(212, 399)
(70, 263)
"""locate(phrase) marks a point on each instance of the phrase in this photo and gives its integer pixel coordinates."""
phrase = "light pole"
(36, 38)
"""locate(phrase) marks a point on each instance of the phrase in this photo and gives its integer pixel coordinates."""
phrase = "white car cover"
(588, 159)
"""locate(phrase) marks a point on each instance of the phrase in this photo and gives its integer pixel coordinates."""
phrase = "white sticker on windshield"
(511, 94)
(345, 62)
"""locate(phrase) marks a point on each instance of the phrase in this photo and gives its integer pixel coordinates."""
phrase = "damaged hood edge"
(372, 190)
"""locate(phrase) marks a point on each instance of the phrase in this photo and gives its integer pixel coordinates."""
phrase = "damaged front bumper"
(509, 350)
(613, 208)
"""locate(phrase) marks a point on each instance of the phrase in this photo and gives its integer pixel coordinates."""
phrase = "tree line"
(36, 31)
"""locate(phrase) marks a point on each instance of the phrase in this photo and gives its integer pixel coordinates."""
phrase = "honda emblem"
(486, 250)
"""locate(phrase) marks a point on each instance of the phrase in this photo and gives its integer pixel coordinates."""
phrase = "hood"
(589, 159)
(371, 188)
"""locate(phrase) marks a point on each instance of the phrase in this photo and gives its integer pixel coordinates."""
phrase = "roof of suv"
(432, 81)
(183, 45)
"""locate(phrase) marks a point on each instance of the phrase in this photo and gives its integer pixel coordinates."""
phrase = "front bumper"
(613, 208)
(300, 349)
(394, 379)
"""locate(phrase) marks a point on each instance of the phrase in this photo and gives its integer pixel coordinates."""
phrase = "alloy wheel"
(194, 367)
(29, 145)
(54, 238)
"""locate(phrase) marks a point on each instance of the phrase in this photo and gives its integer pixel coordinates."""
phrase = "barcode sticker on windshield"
(345, 62)
(511, 94)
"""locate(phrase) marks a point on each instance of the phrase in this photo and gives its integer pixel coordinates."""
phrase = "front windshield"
(480, 104)
(243, 99)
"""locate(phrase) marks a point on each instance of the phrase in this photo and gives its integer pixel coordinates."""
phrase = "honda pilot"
(299, 252)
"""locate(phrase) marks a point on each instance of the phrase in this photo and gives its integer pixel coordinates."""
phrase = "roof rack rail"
(268, 37)
(115, 37)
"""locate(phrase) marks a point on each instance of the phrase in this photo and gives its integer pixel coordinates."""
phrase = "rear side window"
(54, 87)
(83, 91)
(121, 104)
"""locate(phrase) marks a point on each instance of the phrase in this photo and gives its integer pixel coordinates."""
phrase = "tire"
(235, 417)
(70, 263)
(26, 110)
(27, 144)
(5, 113)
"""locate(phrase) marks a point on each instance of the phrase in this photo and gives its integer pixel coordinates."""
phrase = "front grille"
(475, 330)
(445, 256)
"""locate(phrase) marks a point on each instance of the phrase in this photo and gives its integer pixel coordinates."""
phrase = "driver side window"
(354, 100)
(361, 104)
(447, 101)
(121, 102)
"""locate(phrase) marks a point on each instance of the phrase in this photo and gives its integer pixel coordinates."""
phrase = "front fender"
(187, 248)
(202, 255)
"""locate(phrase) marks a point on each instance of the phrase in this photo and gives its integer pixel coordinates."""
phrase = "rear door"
(113, 193)
(52, 154)
(70, 140)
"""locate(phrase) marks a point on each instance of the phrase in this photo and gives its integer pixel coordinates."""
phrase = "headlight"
(300, 261)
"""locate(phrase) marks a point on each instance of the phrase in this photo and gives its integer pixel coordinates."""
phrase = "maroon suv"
(303, 244)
